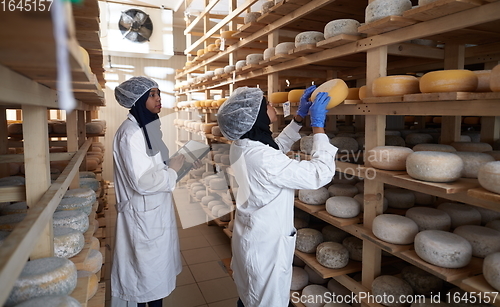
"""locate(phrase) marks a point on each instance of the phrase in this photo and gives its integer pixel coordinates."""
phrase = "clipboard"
(192, 151)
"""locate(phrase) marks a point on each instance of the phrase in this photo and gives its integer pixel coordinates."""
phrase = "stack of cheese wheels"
(337, 90)
(393, 288)
(341, 26)
(394, 228)
(429, 218)
(294, 95)
(41, 277)
(422, 282)
(495, 79)
(483, 80)
(395, 86)
(314, 197)
(74, 219)
(489, 176)
(491, 270)
(434, 166)
(379, 9)
(443, 249)
(284, 48)
(278, 97)
(308, 239)
(308, 37)
(484, 240)
(457, 80)
(389, 157)
(461, 214)
(332, 255)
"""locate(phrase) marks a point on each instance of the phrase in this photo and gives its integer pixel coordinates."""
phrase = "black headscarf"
(260, 130)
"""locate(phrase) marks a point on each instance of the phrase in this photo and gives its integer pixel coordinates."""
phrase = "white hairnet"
(238, 114)
(128, 92)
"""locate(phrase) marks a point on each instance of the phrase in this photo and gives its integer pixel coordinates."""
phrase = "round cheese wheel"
(218, 184)
(362, 92)
(491, 270)
(215, 209)
(429, 218)
(488, 215)
(345, 144)
(342, 206)
(434, 166)
(484, 240)
(266, 6)
(394, 140)
(341, 26)
(393, 288)
(216, 131)
(92, 183)
(395, 86)
(355, 247)
(229, 68)
(472, 162)
(332, 255)
(51, 300)
(67, 242)
(394, 228)
(94, 261)
(300, 279)
(251, 17)
(389, 157)
(338, 289)
(240, 64)
(15, 128)
(254, 58)
(218, 71)
(278, 97)
(422, 282)
(284, 48)
(342, 189)
(461, 214)
(214, 203)
(206, 199)
(212, 47)
(43, 276)
(295, 95)
(413, 139)
(314, 277)
(227, 34)
(495, 79)
(337, 90)
(483, 80)
(495, 224)
(315, 292)
(92, 282)
(399, 198)
(333, 234)
(434, 147)
(200, 194)
(308, 37)
(95, 243)
(456, 80)
(443, 249)
(74, 219)
(474, 147)
(308, 239)
(15, 208)
(379, 9)
(86, 193)
(12, 180)
(314, 197)
(268, 52)
(59, 128)
(75, 203)
(489, 176)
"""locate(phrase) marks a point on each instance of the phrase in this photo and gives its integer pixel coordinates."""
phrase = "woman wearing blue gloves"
(263, 239)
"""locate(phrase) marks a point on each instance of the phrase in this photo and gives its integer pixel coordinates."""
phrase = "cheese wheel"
(391, 288)
(399, 198)
(206, 199)
(93, 282)
(314, 197)
(67, 242)
(394, 140)
(216, 131)
(362, 92)
(229, 68)
(251, 17)
(306, 144)
(212, 47)
(94, 128)
(278, 97)
(429, 218)
(434, 147)
(200, 194)
(484, 240)
(300, 279)
(314, 277)
(434, 166)
(457, 80)
(10, 221)
(215, 210)
(227, 34)
(413, 139)
(488, 215)
(389, 157)
(483, 80)
(394, 228)
(75, 203)
(353, 94)
(51, 300)
(218, 184)
(341, 26)
(473, 162)
(491, 270)
(345, 145)
(475, 147)
(214, 203)
(333, 234)
(332, 255)
(314, 296)
(342, 206)
(240, 64)
(495, 79)
(15, 208)
(461, 214)
(495, 224)
(219, 71)
(12, 181)
(95, 243)
(395, 86)
(92, 183)
(422, 282)
(254, 58)
(43, 276)
(94, 261)
(268, 52)
(360, 198)
(307, 240)
(266, 6)
(443, 249)
(284, 48)
(355, 247)
(342, 189)
(74, 219)
(308, 37)
(379, 9)
(337, 90)
(295, 95)
(338, 289)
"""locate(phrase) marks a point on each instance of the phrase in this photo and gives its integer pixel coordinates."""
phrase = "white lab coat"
(146, 257)
(263, 239)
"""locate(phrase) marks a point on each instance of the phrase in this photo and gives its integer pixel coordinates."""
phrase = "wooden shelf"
(440, 8)
(386, 24)
(482, 193)
(324, 272)
(308, 208)
(479, 286)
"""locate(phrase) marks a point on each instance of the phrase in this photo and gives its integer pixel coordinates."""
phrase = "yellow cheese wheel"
(353, 94)
(215, 103)
(92, 284)
(84, 55)
(395, 86)
(197, 104)
(437, 120)
(200, 52)
(336, 89)
(362, 92)
(212, 47)
(495, 79)
(455, 80)
(483, 80)
(217, 42)
(294, 95)
(227, 34)
(279, 97)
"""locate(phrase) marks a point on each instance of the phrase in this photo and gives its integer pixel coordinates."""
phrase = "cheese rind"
(389, 157)
(429, 218)
(300, 279)
(68, 242)
(93, 282)
(314, 197)
(355, 247)
(395, 86)
(379, 9)
(391, 287)
(455, 80)
(332, 255)
(308, 239)
(52, 301)
(394, 228)
(484, 240)
(295, 95)
(461, 214)
(308, 37)
(342, 206)
(434, 166)
(473, 162)
(341, 26)
(74, 219)
(278, 97)
(442, 248)
(491, 270)
(284, 48)
(337, 90)
(93, 263)
(489, 176)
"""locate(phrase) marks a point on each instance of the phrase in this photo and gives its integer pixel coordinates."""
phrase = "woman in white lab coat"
(263, 239)
(146, 257)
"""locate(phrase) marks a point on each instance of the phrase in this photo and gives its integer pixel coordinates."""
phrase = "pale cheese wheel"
(95, 243)
(345, 144)
(51, 300)
(362, 92)
(278, 97)
(332, 255)
(443, 249)
(87, 194)
(75, 203)
(342, 206)
(214, 203)
(399, 198)
(314, 196)
(254, 58)
(15, 208)
(217, 157)
(224, 159)
(68, 242)
(337, 90)
(240, 64)
(43, 277)
(94, 261)
(206, 199)
(251, 17)
(455, 80)
(473, 162)
(207, 128)
(495, 224)
(92, 183)
(389, 157)
(429, 218)
(224, 214)
(461, 214)
(341, 26)
(483, 80)
(342, 189)
(218, 184)
(268, 53)
(434, 166)
(229, 68)
(422, 282)
(266, 6)
(216, 131)
(218, 71)
(307, 240)
(338, 289)
(395, 86)
(474, 147)
(491, 270)
(495, 79)
(379, 9)
(306, 144)
(227, 34)
(314, 277)
(308, 37)
(394, 228)
(484, 240)
(488, 215)
(489, 176)
(284, 48)
(212, 47)
(433, 147)
(12, 181)
(74, 219)
(200, 194)
(295, 95)
(333, 234)
(300, 279)
(317, 292)
(391, 288)
(215, 210)
(92, 282)
(355, 247)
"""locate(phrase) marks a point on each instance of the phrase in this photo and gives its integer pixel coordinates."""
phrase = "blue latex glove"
(318, 110)
(305, 104)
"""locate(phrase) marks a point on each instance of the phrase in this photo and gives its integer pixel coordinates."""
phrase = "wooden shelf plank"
(482, 193)
(311, 261)
(282, 57)
(450, 96)
(479, 285)
(440, 8)
(337, 221)
(460, 185)
(386, 24)
(391, 248)
(308, 208)
(337, 40)
(305, 49)
(390, 99)
(80, 293)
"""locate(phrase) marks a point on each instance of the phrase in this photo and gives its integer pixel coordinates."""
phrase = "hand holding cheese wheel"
(456, 80)
(336, 89)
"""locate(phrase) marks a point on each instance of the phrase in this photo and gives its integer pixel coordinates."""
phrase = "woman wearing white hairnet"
(146, 257)
(263, 239)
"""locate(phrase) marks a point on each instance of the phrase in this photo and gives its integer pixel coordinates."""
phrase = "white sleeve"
(288, 136)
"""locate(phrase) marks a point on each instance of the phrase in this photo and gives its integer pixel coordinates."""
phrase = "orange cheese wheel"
(294, 95)
(362, 92)
(278, 97)
(336, 89)
(353, 94)
(227, 34)
(495, 79)
(454, 80)
(200, 52)
(471, 120)
(212, 47)
(395, 86)
(437, 120)
(483, 80)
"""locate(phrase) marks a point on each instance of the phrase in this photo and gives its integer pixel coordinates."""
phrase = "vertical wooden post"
(82, 137)
(490, 129)
(37, 170)
(4, 146)
(272, 79)
(72, 141)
